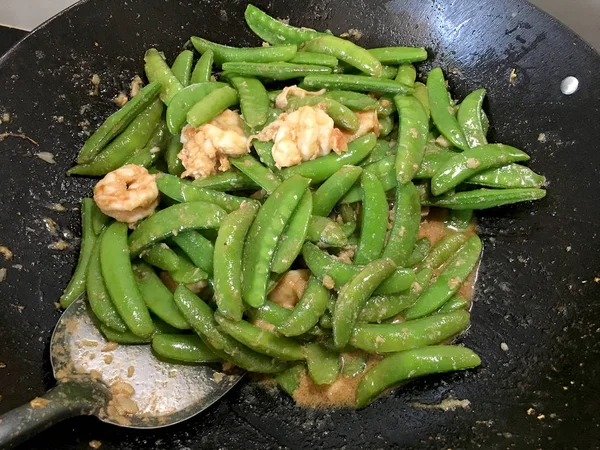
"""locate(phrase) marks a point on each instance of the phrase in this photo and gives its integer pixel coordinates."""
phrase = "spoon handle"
(68, 399)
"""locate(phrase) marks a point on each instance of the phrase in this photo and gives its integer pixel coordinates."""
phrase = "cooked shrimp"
(302, 135)
(206, 148)
(368, 122)
(290, 288)
(127, 194)
(282, 99)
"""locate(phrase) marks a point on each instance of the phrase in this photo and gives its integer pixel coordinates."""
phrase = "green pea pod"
(443, 250)
(360, 83)
(407, 74)
(261, 340)
(407, 219)
(381, 150)
(264, 236)
(485, 198)
(275, 31)
(254, 101)
(348, 213)
(203, 69)
(412, 137)
(261, 175)
(509, 176)
(182, 67)
(154, 148)
(399, 55)
(419, 253)
(187, 348)
(326, 231)
(469, 118)
(76, 286)
(403, 366)
(269, 312)
(333, 189)
(374, 220)
(290, 243)
(275, 70)
(172, 220)
(448, 282)
(353, 296)
(353, 100)
(322, 264)
(117, 122)
(157, 69)
(158, 297)
(231, 180)
(345, 51)
(342, 116)
(264, 150)
(420, 93)
(386, 126)
(289, 380)
(98, 297)
(197, 248)
(466, 164)
(161, 256)
(224, 53)
(315, 59)
(322, 168)
(184, 100)
(442, 111)
(459, 220)
(323, 364)
(456, 303)
(431, 163)
(229, 249)
(184, 191)
(120, 281)
(135, 136)
(201, 318)
(308, 311)
(174, 164)
(389, 72)
(385, 106)
(212, 105)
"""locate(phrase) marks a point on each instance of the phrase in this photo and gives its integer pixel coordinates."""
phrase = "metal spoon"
(124, 385)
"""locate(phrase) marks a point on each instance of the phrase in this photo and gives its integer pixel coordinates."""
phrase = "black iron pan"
(538, 288)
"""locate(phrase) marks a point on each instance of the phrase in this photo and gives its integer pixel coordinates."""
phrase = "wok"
(538, 284)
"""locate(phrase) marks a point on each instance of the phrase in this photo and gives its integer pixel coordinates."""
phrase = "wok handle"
(68, 399)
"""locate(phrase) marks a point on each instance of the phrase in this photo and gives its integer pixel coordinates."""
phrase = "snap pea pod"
(360, 83)
(261, 175)
(128, 338)
(308, 310)
(315, 59)
(322, 168)
(353, 100)
(469, 118)
(264, 150)
(385, 106)
(186, 272)
(509, 176)
(407, 219)
(154, 148)
(120, 282)
(326, 321)
(384, 170)
(224, 53)
(76, 286)
(197, 248)
(269, 312)
(386, 125)
(398, 337)
(466, 164)
(212, 105)
(485, 198)
(421, 94)
(184, 191)
(98, 297)
(182, 67)
(407, 74)
(448, 282)
(333, 189)
(172, 220)
(274, 70)
(117, 122)
(432, 162)
(347, 212)
(180, 268)
(174, 164)
(231, 180)
(289, 380)
(374, 220)
(389, 72)
(201, 318)
(443, 250)
(290, 243)
(183, 347)
(381, 307)
(157, 69)
(99, 219)
(264, 235)
(203, 69)
(456, 303)
(322, 264)
(399, 55)
(353, 364)
(229, 249)
(254, 102)
(261, 340)
(353, 296)
(442, 111)
(325, 231)
(415, 363)
(184, 100)
(342, 116)
(412, 137)
(381, 150)
(459, 220)
(158, 297)
(323, 364)
(133, 137)
(419, 253)
(345, 51)
(275, 31)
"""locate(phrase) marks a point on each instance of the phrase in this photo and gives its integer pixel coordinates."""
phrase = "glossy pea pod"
(419, 253)
(459, 220)
(179, 267)
(403, 366)
(275, 70)
(229, 250)
(342, 116)
(231, 180)
(484, 198)
(203, 68)
(381, 150)
(356, 101)
(399, 55)
(456, 303)
(254, 102)
(128, 338)
(469, 118)
(360, 83)
(174, 164)
(353, 296)
(253, 169)
(289, 380)
(509, 176)
(326, 232)
(99, 219)
(212, 105)
(374, 220)
(385, 106)
(324, 365)
(153, 150)
(197, 248)
(182, 67)
(407, 74)
(308, 310)
(333, 189)
(315, 59)
(269, 312)
(224, 53)
(443, 250)
(187, 348)
(412, 137)
(156, 69)
(264, 150)
(420, 93)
